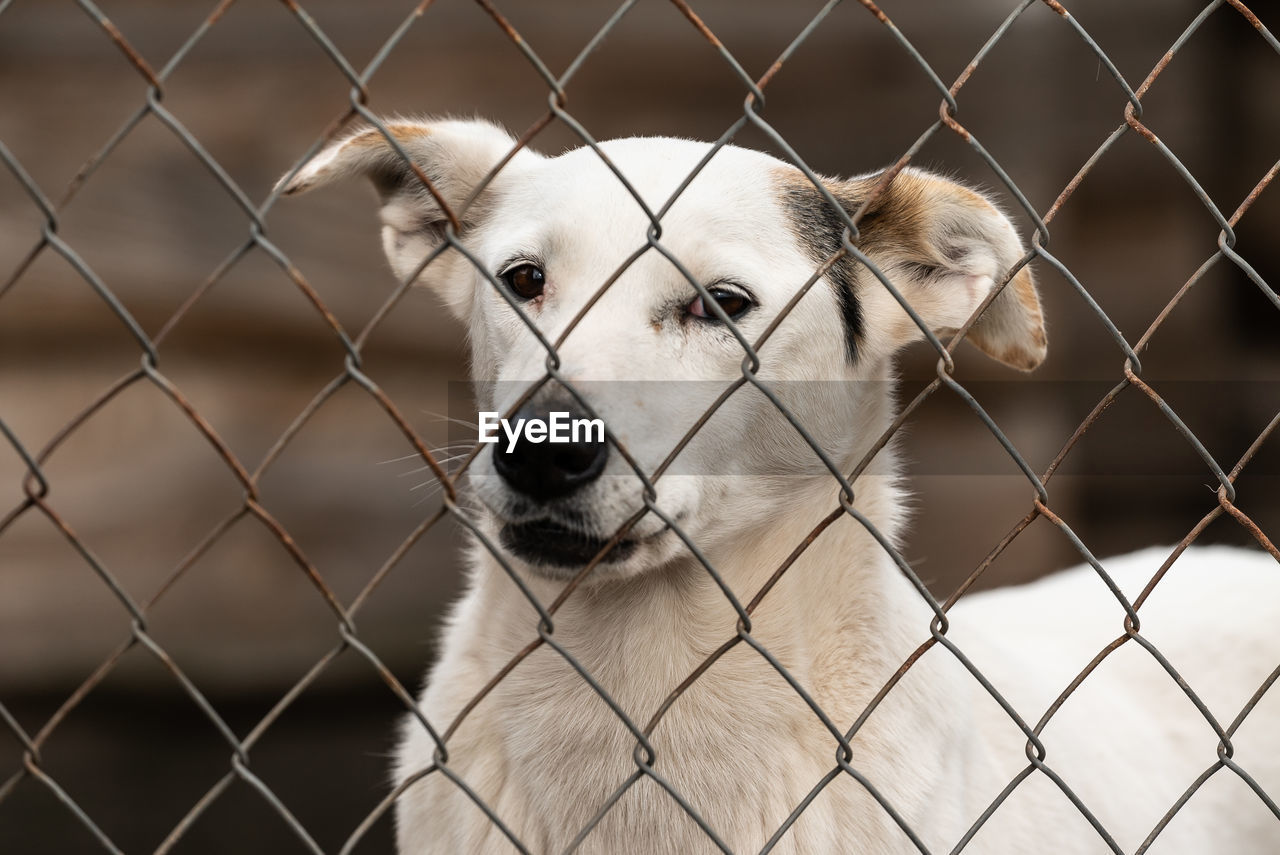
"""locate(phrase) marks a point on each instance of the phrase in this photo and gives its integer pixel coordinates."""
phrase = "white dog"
(544, 751)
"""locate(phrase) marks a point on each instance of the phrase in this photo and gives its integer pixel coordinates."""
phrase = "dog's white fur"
(544, 751)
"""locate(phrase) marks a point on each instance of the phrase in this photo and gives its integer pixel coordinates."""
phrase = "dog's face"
(651, 354)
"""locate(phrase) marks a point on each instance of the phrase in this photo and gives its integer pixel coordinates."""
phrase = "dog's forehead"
(734, 184)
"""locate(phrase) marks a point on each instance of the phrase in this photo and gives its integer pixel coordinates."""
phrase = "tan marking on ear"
(1025, 289)
(337, 157)
(894, 221)
(372, 138)
(936, 239)
(1024, 352)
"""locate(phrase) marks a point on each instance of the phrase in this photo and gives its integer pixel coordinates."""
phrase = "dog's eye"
(526, 281)
(732, 303)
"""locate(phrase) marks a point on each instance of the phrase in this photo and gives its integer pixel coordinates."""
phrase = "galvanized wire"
(647, 754)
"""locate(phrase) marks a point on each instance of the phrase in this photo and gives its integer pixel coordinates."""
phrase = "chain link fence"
(34, 734)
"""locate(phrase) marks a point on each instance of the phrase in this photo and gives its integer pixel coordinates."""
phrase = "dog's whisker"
(431, 494)
(399, 459)
(435, 452)
(442, 455)
(453, 419)
(443, 461)
(417, 469)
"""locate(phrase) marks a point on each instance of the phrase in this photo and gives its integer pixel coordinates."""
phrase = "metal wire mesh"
(40, 490)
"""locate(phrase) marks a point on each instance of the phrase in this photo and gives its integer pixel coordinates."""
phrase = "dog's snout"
(547, 469)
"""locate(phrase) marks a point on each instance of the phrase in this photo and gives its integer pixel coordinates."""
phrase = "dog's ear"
(456, 155)
(944, 246)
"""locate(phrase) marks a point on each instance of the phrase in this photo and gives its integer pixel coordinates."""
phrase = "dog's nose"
(549, 470)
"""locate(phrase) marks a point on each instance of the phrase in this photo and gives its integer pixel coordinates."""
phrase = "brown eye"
(526, 281)
(732, 303)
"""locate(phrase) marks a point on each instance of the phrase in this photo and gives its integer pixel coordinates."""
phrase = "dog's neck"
(843, 585)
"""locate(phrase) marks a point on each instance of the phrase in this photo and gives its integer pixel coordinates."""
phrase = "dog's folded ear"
(945, 246)
(455, 155)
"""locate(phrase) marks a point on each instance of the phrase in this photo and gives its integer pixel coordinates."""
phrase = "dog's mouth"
(548, 543)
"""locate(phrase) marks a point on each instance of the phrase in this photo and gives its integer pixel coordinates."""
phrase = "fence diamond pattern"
(40, 491)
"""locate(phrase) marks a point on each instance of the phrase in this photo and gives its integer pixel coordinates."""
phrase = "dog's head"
(650, 353)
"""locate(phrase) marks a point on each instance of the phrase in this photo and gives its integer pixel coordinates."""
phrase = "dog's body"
(544, 752)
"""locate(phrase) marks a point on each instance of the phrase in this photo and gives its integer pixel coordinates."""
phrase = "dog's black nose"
(549, 469)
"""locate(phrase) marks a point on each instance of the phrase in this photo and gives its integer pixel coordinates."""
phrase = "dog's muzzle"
(546, 543)
(547, 475)
(543, 471)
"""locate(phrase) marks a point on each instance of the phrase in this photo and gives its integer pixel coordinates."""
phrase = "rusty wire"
(37, 490)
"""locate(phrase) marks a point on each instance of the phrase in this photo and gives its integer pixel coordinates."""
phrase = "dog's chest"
(739, 736)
